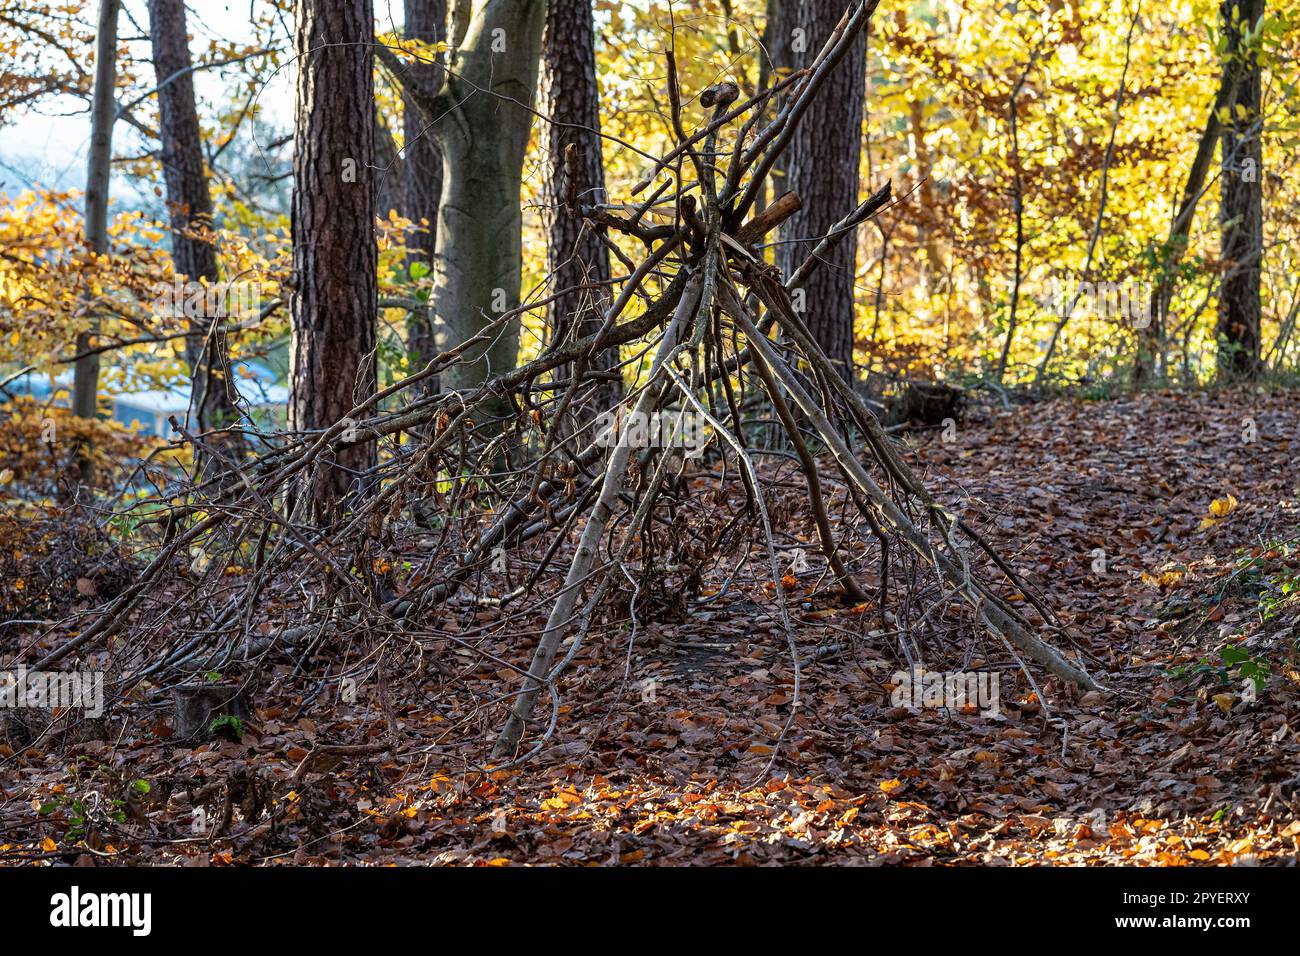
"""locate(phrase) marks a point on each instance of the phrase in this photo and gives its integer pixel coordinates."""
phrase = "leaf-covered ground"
(1162, 529)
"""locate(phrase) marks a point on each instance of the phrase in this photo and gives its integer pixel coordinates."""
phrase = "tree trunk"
(85, 387)
(932, 267)
(575, 255)
(1150, 338)
(767, 72)
(1241, 215)
(331, 356)
(1018, 207)
(214, 396)
(388, 172)
(779, 19)
(821, 166)
(426, 21)
(483, 136)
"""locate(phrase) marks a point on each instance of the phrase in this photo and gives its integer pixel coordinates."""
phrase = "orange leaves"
(38, 441)
(441, 783)
(1219, 509)
(1165, 579)
(821, 615)
(789, 583)
(563, 800)
(856, 610)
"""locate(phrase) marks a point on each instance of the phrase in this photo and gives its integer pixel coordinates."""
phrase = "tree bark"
(388, 172)
(332, 353)
(482, 126)
(481, 121)
(575, 254)
(214, 396)
(426, 21)
(821, 166)
(1241, 206)
(85, 385)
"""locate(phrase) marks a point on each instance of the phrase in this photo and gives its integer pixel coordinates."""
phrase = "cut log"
(926, 403)
(198, 705)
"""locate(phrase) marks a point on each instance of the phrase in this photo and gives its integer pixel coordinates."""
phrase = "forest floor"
(1161, 528)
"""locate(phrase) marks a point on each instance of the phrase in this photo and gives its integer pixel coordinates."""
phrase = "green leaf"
(1234, 655)
(227, 725)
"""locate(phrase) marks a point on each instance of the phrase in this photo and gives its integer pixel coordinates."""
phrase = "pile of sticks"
(717, 328)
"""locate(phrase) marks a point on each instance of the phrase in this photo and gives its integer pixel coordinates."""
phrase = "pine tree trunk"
(1241, 215)
(821, 166)
(331, 357)
(426, 20)
(194, 257)
(575, 255)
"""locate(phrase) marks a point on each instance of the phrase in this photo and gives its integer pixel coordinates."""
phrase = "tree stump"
(198, 705)
(927, 403)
